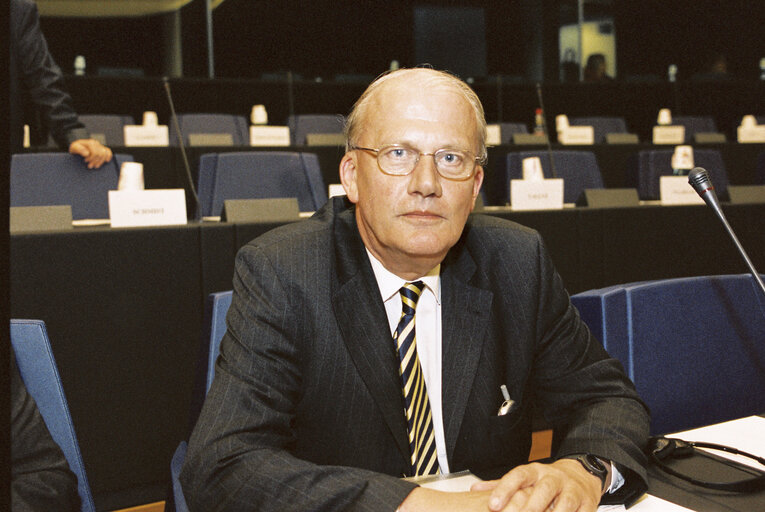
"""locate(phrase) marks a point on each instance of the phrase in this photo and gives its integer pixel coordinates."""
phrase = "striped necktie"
(422, 441)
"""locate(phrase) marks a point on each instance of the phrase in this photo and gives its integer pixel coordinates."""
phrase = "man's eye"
(451, 158)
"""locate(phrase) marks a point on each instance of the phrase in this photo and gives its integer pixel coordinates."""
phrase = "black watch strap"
(594, 466)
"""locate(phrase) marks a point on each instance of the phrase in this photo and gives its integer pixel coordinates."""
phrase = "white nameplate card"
(158, 207)
(751, 133)
(335, 189)
(577, 135)
(269, 135)
(493, 135)
(536, 194)
(140, 135)
(674, 134)
(676, 190)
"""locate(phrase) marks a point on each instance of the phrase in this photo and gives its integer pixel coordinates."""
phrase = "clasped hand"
(562, 486)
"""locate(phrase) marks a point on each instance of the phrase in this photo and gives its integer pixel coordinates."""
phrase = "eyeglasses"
(400, 160)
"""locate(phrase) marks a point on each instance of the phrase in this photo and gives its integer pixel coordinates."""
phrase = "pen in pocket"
(508, 404)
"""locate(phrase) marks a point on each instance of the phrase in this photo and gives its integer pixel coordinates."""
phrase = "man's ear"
(348, 176)
(477, 181)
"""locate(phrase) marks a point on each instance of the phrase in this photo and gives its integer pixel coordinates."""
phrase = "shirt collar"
(390, 284)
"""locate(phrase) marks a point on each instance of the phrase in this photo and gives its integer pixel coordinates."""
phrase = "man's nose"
(425, 179)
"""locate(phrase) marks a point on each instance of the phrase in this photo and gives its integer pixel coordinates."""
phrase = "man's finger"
(517, 478)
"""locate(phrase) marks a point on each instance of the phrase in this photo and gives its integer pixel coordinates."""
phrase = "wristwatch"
(594, 466)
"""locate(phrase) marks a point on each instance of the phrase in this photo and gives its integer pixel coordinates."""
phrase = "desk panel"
(123, 311)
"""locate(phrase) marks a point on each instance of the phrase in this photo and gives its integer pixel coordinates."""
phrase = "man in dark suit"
(307, 410)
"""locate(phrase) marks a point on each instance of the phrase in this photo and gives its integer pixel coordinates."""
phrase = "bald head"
(416, 80)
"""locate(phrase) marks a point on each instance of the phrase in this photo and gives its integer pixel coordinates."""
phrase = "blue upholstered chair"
(303, 124)
(211, 124)
(602, 126)
(649, 165)
(692, 346)
(107, 126)
(259, 175)
(579, 170)
(38, 370)
(46, 179)
(216, 308)
(694, 125)
(507, 130)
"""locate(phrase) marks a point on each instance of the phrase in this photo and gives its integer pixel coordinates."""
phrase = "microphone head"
(699, 180)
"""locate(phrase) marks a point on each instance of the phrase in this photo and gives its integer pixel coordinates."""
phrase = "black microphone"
(547, 132)
(699, 180)
(177, 127)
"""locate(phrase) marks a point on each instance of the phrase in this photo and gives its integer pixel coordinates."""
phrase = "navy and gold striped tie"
(422, 441)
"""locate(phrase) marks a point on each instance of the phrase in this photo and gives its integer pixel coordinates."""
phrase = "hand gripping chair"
(45, 179)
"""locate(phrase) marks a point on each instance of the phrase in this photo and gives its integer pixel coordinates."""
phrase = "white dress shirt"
(428, 331)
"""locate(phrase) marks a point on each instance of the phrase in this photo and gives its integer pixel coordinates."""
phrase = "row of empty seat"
(580, 170)
(235, 129)
(109, 127)
(39, 179)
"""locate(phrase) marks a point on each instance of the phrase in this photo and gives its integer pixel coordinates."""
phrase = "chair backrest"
(47, 179)
(602, 126)
(38, 370)
(259, 175)
(214, 325)
(654, 163)
(579, 170)
(211, 124)
(694, 125)
(692, 346)
(507, 130)
(759, 169)
(303, 124)
(107, 126)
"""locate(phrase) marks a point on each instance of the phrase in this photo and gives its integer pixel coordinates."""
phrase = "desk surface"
(744, 434)
(124, 311)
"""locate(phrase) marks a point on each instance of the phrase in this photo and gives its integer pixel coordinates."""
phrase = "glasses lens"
(397, 159)
(454, 164)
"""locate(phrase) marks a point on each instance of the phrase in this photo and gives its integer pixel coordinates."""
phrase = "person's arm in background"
(44, 83)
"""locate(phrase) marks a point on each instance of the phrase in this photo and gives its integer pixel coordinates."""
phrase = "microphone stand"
(699, 180)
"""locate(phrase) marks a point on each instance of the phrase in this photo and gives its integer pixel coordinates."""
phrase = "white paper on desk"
(649, 503)
(744, 434)
(453, 482)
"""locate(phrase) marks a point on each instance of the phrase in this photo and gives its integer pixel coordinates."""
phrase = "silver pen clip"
(508, 404)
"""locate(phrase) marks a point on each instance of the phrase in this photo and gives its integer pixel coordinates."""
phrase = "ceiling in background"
(112, 8)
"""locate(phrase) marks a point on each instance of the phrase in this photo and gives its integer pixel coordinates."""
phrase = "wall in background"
(324, 38)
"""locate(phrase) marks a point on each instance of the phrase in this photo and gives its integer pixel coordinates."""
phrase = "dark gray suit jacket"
(36, 80)
(306, 410)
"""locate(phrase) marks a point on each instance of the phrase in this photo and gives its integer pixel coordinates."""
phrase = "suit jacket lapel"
(464, 314)
(360, 314)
